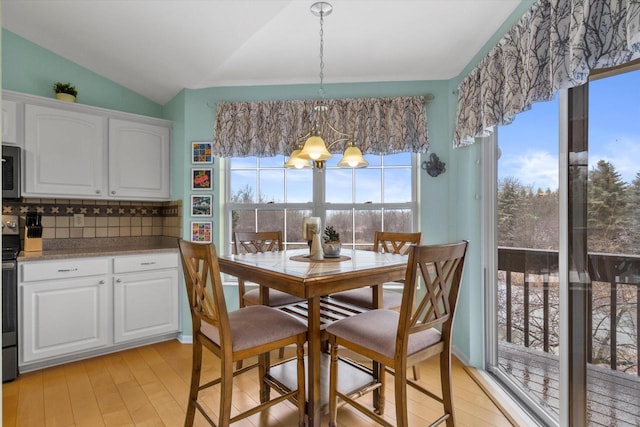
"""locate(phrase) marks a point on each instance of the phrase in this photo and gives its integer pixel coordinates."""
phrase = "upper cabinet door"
(9, 122)
(139, 164)
(64, 153)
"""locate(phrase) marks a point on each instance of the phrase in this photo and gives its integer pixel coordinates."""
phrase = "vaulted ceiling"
(158, 47)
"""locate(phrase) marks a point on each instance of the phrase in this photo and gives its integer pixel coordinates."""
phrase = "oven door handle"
(8, 265)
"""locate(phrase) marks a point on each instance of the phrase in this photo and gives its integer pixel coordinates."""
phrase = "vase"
(316, 253)
(331, 249)
(65, 97)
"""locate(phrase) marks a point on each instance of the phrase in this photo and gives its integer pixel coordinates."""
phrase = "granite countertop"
(107, 246)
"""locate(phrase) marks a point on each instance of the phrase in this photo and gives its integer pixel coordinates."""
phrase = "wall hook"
(433, 166)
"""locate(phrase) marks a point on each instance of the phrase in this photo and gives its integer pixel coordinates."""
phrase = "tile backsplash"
(101, 218)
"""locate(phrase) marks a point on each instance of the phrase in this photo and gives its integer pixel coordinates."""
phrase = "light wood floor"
(148, 386)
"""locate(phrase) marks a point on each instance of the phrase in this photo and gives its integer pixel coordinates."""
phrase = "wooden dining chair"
(255, 242)
(386, 242)
(247, 332)
(397, 339)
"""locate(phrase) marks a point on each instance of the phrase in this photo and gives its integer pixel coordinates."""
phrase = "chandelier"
(315, 149)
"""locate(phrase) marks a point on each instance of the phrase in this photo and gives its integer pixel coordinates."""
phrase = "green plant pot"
(65, 97)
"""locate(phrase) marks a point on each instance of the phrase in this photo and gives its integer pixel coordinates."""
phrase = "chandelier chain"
(321, 90)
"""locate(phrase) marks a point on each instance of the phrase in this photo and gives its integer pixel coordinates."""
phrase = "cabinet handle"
(101, 282)
(113, 192)
(148, 263)
(118, 280)
(67, 270)
(97, 191)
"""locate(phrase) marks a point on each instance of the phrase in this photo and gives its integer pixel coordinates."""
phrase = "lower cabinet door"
(63, 317)
(145, 304)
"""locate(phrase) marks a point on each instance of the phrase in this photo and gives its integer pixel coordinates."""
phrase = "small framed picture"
(201, 153)
(201, 179)
(201, 231)
(201, 205)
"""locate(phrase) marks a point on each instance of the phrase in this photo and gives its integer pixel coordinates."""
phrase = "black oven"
(10, 172)
(10, 249)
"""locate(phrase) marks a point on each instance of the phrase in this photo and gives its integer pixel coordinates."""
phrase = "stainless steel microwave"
(10, 172)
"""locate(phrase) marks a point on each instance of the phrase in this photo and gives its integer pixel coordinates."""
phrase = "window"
(263, 195)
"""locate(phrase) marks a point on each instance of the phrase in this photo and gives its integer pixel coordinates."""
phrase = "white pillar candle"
(310, 226)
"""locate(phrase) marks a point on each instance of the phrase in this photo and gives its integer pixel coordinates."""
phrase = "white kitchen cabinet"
(71, 308)
(139, 162)
(64, 153)
(146, 296)
(76, 151)
(9, 122)
(66, 313)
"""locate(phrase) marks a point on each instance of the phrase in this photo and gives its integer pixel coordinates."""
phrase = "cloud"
(622, 151)
(539, 169)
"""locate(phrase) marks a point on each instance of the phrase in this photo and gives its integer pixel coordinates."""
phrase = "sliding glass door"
(527, 284)
(567, 255)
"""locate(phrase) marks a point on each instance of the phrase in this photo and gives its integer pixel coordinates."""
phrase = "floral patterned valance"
(264, 129)
(553, 46)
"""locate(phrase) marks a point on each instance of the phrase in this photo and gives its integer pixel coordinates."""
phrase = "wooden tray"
(305, 258)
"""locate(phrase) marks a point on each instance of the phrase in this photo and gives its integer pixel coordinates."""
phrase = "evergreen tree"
(509, 205)
(633, 214)
(606, 209)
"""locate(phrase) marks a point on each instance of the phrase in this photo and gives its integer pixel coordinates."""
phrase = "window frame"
(318, 206)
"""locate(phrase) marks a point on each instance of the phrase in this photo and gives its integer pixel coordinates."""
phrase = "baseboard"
(460, 355)
(185, 339)
(505, 403)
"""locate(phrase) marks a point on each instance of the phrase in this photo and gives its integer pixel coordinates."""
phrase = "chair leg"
(241, 304)
(400, 385)
(263, 367)
(378, 394)
(445, 379)
(333, 384)
(226, 393)
(416, 372)
(196, 369)
(281, 353)
(302, 398)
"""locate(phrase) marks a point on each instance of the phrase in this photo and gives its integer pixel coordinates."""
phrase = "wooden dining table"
(293, 272)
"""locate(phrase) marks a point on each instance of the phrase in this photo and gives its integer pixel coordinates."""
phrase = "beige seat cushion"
(276, 298)
(256, 325)
(362, 297)
(377, 329)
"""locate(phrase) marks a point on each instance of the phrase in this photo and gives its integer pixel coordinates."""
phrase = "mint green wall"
(29, 68)
(466, 207)
(200, 122)
(450, 204)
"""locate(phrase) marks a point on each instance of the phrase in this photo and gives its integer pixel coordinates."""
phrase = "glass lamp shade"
(296, 162)
(352, 158)
(314, 149)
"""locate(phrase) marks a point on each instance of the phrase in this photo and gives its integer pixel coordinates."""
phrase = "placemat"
(305, 258)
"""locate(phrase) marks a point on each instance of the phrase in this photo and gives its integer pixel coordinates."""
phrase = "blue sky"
(530, 144)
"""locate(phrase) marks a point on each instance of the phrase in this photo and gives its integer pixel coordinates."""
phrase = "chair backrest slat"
(257, 241)
(438, 268)
(204, 288)
(395, 243)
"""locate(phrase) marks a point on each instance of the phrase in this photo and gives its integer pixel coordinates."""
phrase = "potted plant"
(331, 243)
(65, 91)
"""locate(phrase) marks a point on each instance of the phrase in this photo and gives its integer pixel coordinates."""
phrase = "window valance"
(263, 129)
(553, 46)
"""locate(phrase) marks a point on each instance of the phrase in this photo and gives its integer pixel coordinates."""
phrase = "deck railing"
(531, 272)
